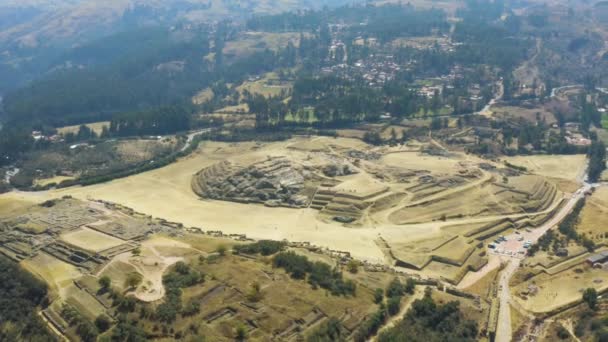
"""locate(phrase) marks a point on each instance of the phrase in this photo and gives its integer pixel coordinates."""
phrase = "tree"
(105, 282)
(332, 330)
(395, 289)
(393, 305)
(378, 296)
(393, 136)
(133, 280)
(353, 266)
(241, 333)
(590, 297)
(562, 333)
(221, 250)
(102, 322)
(410, 285)
(255, 293)
(597, 160)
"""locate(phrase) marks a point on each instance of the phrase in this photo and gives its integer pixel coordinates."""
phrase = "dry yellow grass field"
(555, 166)
(525, 113)
(268, 85)
(250, 42)
(86, 304)
(97, 127)
(415, 162)
(56, 180)
(594, 216)
(56, 273)
(561, 289)
(11, 206)
(90, 240)
(117, 271)
(202, 96)
(242, 108)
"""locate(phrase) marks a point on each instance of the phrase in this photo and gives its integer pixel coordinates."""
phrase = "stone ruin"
(274, 182)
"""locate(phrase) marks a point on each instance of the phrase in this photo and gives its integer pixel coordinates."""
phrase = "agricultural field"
(529, 114)
(96, 127)
(267, 85)
(250, 42)
(82, 161)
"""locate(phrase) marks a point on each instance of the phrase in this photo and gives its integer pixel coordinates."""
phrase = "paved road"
(513, 247)
(503, 333)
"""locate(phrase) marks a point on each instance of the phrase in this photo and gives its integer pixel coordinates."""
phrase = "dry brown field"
(97, 127)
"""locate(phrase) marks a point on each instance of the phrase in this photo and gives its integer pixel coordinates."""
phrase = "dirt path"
(568, 325)
(471, 278)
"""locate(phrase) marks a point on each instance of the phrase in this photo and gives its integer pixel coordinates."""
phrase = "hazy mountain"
(37, 22)
(34, 33)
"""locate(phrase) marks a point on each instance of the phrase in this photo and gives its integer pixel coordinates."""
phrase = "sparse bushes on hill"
(85, 329)
(180, 277)
(319, 273)
(427, 321)
(263, 247)
(20, 295)
(330, 331)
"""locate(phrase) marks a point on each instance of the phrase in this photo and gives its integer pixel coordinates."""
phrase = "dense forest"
(21, 295)
(107, 77)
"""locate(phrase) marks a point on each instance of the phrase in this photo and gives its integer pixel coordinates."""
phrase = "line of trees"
(319, 274)
(597, 160)
(161, 121)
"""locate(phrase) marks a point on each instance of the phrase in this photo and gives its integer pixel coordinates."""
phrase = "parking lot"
(513, 245)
